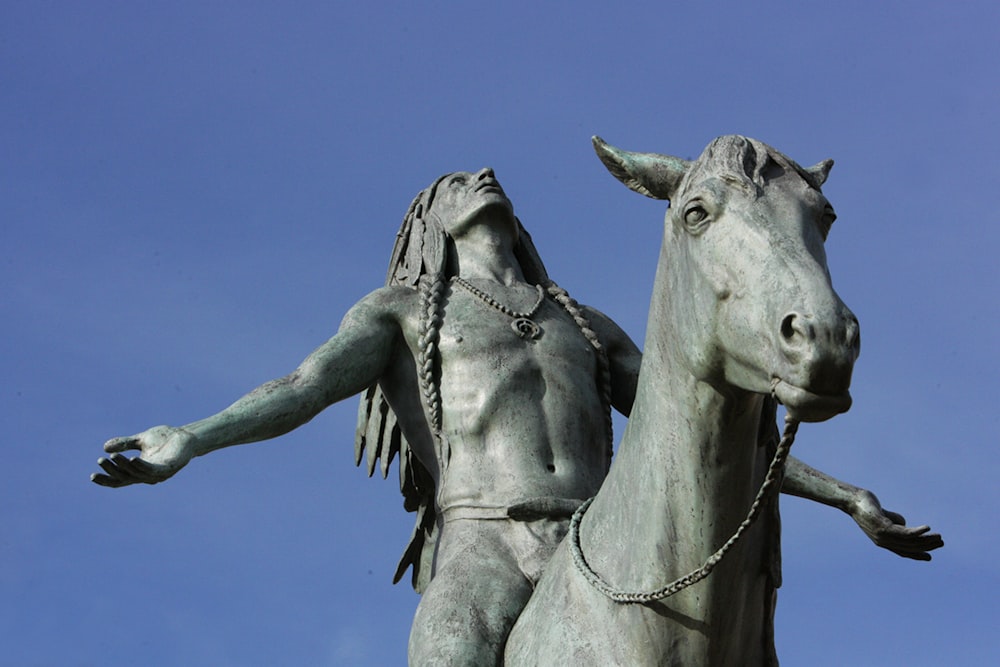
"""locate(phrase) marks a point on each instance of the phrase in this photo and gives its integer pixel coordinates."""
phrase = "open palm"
(163, 450)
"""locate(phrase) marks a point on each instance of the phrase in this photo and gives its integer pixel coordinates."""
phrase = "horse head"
(745, 265)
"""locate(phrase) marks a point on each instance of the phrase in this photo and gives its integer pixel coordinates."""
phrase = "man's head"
(448, 208)
(463, 200)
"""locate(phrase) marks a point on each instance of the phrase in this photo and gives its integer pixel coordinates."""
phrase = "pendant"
(525, 328)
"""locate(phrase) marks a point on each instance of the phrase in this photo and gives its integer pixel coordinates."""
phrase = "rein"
(595, 580)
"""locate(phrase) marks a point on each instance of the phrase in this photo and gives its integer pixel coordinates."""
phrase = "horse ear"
(651, 174)
(820, 171)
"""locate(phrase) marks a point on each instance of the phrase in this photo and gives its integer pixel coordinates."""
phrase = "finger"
(912, 555)
(122, 444)
(106, 480)
(931, 541)
(916, 544)
(108, 467)
(903, 544)
(905, 532)
(118, 469)
(113, 475)
(120, 475)
(895, 517)
(152, 471)
(902, 538)
(134, 468)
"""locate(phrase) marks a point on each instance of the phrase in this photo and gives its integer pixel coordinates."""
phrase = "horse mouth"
(806, 406)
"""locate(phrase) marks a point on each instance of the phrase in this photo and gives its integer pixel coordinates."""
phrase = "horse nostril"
(853, 338)
(788, 327)
(797, 331)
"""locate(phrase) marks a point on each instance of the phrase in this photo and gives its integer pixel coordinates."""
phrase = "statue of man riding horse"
(494, 388)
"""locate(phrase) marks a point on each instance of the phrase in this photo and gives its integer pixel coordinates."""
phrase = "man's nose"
(484, 173)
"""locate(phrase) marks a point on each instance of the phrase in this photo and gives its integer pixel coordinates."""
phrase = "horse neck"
(683, 476)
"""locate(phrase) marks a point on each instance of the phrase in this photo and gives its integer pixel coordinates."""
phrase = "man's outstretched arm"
(343, 366)
(886, 529)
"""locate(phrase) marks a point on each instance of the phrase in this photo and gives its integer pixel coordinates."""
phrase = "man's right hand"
(163, 450)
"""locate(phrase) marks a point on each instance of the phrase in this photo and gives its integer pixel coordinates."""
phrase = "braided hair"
(419, 261)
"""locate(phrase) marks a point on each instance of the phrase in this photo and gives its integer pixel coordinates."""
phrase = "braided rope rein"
(770, 481)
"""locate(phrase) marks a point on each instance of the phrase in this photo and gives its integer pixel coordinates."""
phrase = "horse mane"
(743, 162)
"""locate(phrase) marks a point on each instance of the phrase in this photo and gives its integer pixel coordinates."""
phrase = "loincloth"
(525, 534)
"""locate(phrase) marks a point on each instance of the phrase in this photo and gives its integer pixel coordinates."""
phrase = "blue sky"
(193, 194)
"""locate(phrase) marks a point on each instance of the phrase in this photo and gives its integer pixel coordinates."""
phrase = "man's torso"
(520, 418)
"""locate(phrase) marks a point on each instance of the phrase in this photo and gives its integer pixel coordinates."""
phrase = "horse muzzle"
(817, 360)
(806, 406)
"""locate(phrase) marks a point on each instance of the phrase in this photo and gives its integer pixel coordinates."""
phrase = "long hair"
(420, 261)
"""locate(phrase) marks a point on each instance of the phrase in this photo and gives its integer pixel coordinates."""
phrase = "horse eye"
(695, 215)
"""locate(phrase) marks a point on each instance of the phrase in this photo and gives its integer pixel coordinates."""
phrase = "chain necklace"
(522, 325)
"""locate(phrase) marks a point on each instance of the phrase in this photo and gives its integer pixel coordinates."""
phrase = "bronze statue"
(493, 388)
(676, 560)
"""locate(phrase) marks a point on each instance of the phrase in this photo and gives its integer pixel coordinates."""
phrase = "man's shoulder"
(393, 296)
(607, 329)
(599, 320)
(396, 302)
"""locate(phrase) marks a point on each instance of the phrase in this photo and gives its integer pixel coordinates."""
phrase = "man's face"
(463, 199)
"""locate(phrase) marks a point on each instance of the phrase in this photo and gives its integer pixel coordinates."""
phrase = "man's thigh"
(477, 593)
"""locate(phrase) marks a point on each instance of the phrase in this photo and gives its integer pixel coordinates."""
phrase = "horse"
(743, 314)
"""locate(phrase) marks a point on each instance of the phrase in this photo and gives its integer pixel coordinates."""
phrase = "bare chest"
(478, 338)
